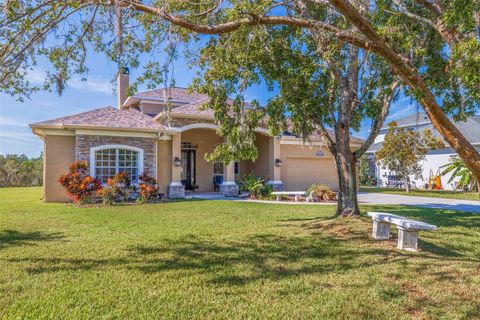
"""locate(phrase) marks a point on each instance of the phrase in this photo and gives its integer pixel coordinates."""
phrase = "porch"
(191, 172)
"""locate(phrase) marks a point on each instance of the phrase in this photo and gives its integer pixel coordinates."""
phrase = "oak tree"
(431, 45)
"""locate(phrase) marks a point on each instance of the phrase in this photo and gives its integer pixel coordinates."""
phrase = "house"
(434, 158)
(134, 137)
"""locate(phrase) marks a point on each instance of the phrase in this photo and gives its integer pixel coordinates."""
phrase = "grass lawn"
(228, 260)
(426, 193)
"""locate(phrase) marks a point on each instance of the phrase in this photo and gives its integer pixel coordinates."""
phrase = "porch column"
(275, 166)
(229, 187)
(176, 189)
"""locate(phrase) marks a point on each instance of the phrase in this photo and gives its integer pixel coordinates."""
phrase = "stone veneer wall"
(83, 143)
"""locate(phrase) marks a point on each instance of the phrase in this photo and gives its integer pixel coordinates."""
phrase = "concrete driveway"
(435, 203)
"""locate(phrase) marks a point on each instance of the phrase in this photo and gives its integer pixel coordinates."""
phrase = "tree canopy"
(432, 45)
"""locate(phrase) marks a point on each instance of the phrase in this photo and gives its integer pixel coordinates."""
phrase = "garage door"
(303, 172)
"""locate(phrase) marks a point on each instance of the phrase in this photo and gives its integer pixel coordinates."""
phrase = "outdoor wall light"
(278, 163)
(177, 162)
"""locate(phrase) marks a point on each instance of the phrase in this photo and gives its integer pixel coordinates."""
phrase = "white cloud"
(11, 122)
(18, 135)
(402, 112)
(36, 76)
(91, 84)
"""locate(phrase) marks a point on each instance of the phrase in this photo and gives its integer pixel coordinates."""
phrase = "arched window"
(108, 160)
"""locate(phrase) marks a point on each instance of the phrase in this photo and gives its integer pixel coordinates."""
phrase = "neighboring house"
(135, 138)
(435, 158)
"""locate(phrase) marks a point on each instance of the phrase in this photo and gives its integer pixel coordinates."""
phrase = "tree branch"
(253, 20)
(379, 119)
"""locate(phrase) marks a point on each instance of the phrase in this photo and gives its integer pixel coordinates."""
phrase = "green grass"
(426, 193)
(228, 260)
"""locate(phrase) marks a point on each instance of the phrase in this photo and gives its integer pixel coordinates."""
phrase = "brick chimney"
(122, 85)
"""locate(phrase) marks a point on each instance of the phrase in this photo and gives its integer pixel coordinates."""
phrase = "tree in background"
(466, 179)
(21, 171)
(365, 177)
(433, 46)
(403, 149)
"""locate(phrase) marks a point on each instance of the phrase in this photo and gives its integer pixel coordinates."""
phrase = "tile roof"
(469, 128)
(174, 93)
(316, 136)
(194, 108)
(409, 120)
(106, 117)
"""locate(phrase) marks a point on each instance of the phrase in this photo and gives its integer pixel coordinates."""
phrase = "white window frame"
(115, 146)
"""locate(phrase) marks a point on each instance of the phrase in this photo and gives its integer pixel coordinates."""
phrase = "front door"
(188, 169)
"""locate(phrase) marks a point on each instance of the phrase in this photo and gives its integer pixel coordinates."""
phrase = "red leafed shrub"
(79, 185)
(117, 189)
(148, 189)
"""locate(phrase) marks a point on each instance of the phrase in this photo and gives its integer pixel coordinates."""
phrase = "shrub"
(117, 189)
(321, 192)
(255, 186)
(148, 188)
(79, 185)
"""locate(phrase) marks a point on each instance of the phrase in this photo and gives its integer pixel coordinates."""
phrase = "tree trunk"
(347, 187)
(407, 184)
(347, 174)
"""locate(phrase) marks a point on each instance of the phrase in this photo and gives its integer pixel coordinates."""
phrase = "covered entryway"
(301, 173)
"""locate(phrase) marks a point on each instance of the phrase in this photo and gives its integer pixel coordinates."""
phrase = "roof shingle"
(106, 117)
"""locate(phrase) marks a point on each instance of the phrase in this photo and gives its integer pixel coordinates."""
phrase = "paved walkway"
(426, 202)
(369, 198)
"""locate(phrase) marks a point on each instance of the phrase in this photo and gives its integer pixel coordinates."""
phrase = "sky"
(98, 91)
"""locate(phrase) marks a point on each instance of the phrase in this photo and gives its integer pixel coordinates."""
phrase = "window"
(218, 168)
(107, 161)
(237, 167)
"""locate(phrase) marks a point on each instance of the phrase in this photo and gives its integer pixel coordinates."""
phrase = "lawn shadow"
(10, 238)
(259, 257)
(438, 217)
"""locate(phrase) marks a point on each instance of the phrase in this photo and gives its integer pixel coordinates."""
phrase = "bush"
(148, 188)
(79, 185)
(118, 189)
(255, 186)
(321, 192)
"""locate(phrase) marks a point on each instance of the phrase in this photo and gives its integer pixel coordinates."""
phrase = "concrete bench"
(296, 194)
(407, 229)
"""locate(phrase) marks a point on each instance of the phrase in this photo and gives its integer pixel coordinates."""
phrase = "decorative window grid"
(107, 161)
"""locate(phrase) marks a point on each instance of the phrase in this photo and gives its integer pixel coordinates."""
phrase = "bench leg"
(407, 239)
(381, 230)
(296, 198)
(278, 197)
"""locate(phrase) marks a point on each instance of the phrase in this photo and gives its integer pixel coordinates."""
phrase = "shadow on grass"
(227, 262)
(10, 238)
(324, 245)
(438, 217)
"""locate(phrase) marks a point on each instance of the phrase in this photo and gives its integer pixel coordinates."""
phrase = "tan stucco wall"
(206, 139)
(164, 164)
(302, 167)
(59, 153)
(261, 165)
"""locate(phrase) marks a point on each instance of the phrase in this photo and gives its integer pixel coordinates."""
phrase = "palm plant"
(458, 169)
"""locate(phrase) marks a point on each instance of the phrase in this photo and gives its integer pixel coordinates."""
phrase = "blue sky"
(97, 91)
